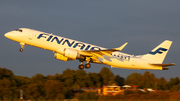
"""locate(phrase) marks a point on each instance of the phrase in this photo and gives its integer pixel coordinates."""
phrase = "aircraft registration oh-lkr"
(66, 49)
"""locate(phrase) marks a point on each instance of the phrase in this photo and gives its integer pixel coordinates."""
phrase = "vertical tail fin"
(158, 54)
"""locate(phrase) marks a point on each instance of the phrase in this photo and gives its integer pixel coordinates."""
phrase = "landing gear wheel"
(81, 66)
(22, 46)
(87, 65)
(20, 49)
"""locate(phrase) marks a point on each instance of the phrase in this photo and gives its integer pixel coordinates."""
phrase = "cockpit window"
(20, 30)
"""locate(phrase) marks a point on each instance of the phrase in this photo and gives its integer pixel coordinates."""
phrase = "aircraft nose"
(7, 35)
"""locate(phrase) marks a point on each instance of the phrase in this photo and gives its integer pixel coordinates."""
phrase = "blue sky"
(143, 24)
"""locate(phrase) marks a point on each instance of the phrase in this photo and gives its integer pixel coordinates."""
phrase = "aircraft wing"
(100, 53)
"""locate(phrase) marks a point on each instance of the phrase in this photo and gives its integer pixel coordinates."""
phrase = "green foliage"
(5, 73)
(173, 81)
(60, 86)
(134, 79)
(162, 84)
(34, 91)
(175, 87)
(37, 78)
(68, 77)
(107, 76)
(53, 88)
(96, 79)
(119, 80)
(147, 80)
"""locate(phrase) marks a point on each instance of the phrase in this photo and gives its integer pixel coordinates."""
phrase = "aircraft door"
(31, 34)
(134, 61)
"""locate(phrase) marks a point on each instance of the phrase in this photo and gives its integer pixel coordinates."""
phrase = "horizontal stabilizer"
(164, 65)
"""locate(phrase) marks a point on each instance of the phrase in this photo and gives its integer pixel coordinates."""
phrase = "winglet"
(121, 47)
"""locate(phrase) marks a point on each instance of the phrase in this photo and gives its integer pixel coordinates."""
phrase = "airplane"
(67, 49)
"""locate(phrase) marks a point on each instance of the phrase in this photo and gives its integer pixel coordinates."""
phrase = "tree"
(135, 79)
(173, 81)
(96, 79)
(54, 89)
(38, 78)
(107, 76)
(5, 73)
(120, 80)
(162, 84)
(68, 77)
(80, 78)
(50, 77)
(21, 81)
(59, 77)
(34, 91)
(149, 80)
(88, 81)
(7, 83)
(175, 87)
(5, 88)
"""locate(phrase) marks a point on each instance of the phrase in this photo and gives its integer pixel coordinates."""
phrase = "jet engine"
(67, 54)
(60, 57)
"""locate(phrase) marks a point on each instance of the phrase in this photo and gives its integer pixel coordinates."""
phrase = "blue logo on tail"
(159, 50)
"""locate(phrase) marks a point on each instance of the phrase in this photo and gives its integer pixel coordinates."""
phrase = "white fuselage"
(57, 44)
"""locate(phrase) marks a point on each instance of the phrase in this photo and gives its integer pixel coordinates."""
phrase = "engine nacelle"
(71, 54)
(60, 57)
(67, 54)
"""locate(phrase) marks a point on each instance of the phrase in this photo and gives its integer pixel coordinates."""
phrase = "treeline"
(148, 80)
(61, 86)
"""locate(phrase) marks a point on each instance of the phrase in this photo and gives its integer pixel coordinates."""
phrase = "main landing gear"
(22, 46)
(87, 66)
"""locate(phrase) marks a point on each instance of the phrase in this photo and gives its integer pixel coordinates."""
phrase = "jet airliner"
(67, 49)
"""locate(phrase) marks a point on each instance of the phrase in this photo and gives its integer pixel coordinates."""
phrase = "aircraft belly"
(119, 63)
(143, 64)
(132, 64)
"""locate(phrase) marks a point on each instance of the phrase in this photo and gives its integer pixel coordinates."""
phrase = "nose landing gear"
(22, 46)
(20, 49)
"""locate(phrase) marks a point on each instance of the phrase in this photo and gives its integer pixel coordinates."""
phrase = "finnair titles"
(62, 41)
